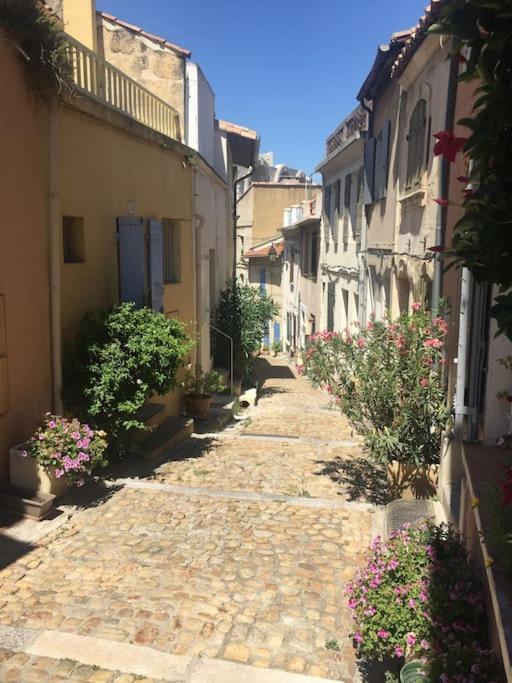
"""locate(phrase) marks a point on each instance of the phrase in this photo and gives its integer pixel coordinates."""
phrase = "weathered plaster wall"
(25, 370)
(157, 68)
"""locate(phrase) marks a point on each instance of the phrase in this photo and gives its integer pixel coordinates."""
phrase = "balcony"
(100, 80)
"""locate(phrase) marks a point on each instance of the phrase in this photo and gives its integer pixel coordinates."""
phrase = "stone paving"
(252, 581)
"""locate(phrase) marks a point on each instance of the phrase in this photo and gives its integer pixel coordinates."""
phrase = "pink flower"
(52, 424)
(416, 307)
(442, 202)
(23, 454)
(75, 435)
(41, 437)
(425, 645)
(424, 382)
(411, 638)
(361, 342)
(59, 473)
(399, 651)
(358, 637)
(433, 343)
(412, 603)
(352, 603)
(383, 634)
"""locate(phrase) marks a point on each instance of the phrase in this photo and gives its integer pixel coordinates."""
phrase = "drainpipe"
(55, 257)
(444, 185)
(235, 217)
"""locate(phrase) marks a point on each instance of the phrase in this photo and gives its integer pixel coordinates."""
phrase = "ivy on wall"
(482, 37)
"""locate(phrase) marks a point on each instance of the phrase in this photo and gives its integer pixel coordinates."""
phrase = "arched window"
(416, 144)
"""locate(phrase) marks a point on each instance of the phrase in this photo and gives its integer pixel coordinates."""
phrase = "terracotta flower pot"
(27, 473)
(197, 406)
(410, 482)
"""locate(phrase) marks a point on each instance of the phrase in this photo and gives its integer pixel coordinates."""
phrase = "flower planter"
(413, 672)
(197, 407)
(27, 474)
(25, 503)
(410, 482)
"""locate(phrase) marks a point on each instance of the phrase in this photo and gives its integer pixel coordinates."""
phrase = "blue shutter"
(369, 170)
(156, 264)
(277, 331)
(130, 230)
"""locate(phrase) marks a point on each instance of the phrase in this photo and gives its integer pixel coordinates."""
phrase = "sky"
(289, 69)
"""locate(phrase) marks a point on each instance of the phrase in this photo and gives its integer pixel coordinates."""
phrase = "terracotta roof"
(262, 252)
(150, 36)
(416, 36)
(238, 130)
(380, 71)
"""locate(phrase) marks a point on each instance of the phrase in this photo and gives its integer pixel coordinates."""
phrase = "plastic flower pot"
(413, 672)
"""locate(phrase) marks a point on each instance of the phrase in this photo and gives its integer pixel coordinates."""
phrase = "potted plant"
(277, 347)
(61, 453)
(199, 387)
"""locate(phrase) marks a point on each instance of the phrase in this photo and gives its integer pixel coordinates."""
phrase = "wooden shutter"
(346, 208)
(263, 279)
(156, 265)
(369, 170)
(381, 162)
(359, 209)
(331, 302)
(130, 231)
(416, 144)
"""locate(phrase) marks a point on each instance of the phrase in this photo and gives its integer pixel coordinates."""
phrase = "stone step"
(151, 414)
(165, 437)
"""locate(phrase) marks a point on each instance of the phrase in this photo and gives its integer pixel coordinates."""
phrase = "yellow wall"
(24, 320)
(269, 202)
(79, 18)
(102, 169)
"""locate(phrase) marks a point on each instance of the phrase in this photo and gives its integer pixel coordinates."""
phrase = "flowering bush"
(466, 664)
(416, 596)
(387, 379)
(73, 449)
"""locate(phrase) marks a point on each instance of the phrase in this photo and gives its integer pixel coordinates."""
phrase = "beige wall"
(269, 203)
(25, 371)
(102, 169)
(159, 69)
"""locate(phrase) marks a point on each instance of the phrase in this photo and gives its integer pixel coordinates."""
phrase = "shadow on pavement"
(265, 370)
(361, 479)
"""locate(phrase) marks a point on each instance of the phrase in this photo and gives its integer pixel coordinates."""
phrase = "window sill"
(414, 198)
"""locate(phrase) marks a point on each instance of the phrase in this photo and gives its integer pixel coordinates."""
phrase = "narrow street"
(236, 549)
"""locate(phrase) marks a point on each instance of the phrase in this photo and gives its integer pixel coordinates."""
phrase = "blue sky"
(288, 68)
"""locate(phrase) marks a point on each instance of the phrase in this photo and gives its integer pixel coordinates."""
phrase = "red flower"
(437, 249)
(441, 201)
(464, 179)
(448, 144)
(460, 58)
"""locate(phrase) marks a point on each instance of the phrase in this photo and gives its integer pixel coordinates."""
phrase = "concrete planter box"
(25, 503)
(410, 482)
(27, 474)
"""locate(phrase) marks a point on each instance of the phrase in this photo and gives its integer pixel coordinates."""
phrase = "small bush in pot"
(68, 448)
(199, 387)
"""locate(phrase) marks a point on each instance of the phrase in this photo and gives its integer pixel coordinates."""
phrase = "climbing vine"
(482, 39)
(41, 44)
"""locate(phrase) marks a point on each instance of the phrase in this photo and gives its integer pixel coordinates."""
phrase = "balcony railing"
(103, 82)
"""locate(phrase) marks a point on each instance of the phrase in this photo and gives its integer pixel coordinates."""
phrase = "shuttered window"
(172, 250)
(369, 170)
(331, 302)
(346, 209)
(416, 145)
(359, 209)
(381, 162)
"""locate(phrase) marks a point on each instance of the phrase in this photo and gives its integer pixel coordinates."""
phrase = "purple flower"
(399, 651)
(383, 634)
(358, 637)
(352, 603)
(393, 564)
(412, 603)
(410, 638)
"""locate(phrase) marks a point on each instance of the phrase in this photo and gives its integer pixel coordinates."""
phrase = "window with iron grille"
(416, 145)
(172, 250)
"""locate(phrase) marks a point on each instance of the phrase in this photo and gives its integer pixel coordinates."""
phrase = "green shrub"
(277, 347)
(201, 384)
(388, 380)
(120, 358)
(243, 313)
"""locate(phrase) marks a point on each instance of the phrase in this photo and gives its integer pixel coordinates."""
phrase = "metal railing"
(107, 84)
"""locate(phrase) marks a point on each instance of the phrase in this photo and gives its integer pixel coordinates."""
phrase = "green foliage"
(499, 533)
(73, 449)
(277, 347)
(388, 380)
(332, 645)
(483, 236)
(202, 384)
(415, 597)
(243, 313)
(41, 45)
(120, 358)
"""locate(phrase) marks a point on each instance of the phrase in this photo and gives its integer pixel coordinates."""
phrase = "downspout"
(235, 216)
(199, 223)
(444, 185)
(55, 257)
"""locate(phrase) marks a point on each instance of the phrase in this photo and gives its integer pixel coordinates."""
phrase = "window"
(292, 264)
(359, 209)
(73, 239)
(345, 307)
(331, 303)
(346, 209)
(315, 243)
(416, 144)
(172, 250)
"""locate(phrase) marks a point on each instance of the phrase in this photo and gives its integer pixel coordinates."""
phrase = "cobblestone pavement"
(253, 581)
(16, 667)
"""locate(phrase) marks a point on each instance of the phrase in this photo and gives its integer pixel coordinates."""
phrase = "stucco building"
(343, 234)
